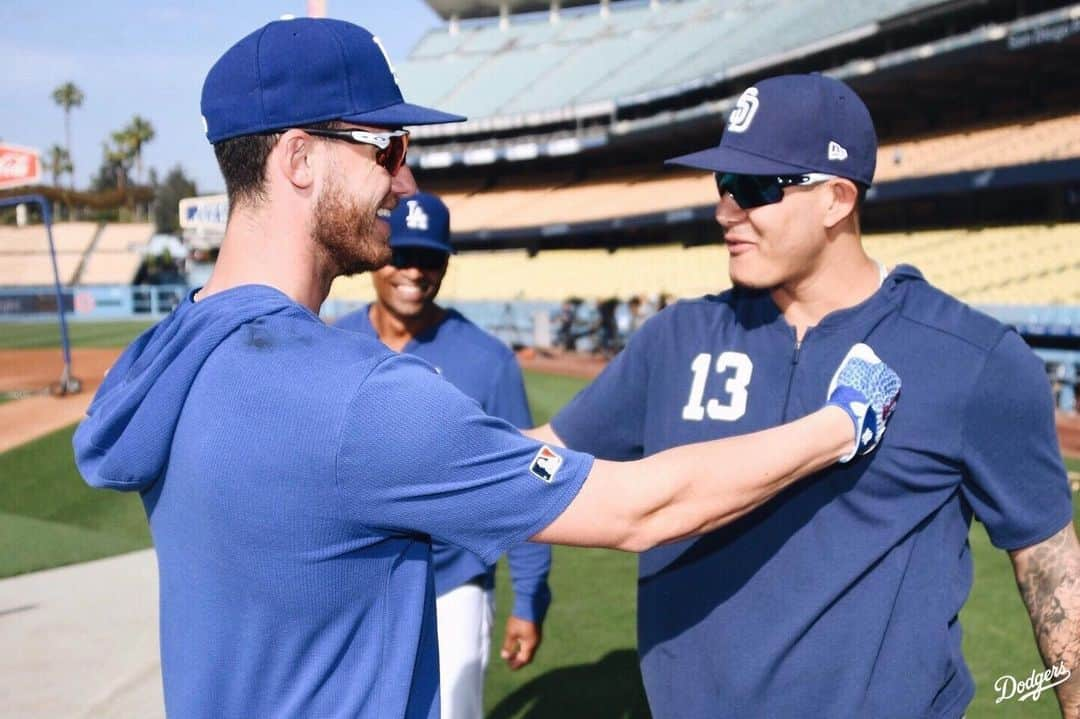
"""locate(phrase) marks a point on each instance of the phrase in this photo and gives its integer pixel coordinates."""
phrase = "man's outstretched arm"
(696, 488)
(1048, 575)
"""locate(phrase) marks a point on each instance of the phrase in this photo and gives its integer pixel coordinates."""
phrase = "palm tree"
(138, 132)
(118, 157)
(58, 161)
(68, 96)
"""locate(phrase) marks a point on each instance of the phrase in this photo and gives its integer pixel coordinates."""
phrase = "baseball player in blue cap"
(294, 475)
(406, 318)
(840, 598)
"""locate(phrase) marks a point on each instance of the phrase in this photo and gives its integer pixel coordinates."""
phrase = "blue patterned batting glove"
(866, 388)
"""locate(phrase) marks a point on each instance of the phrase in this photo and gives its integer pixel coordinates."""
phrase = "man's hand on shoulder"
(866, 389)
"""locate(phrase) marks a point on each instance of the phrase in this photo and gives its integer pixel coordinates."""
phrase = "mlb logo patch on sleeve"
(546, 464)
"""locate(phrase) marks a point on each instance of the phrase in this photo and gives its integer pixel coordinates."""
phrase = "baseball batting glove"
(866, 388)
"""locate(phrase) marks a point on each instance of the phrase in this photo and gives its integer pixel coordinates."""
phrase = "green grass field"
(587, 666)
(32, 335)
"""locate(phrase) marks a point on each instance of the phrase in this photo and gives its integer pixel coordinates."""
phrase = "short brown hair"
(243, 164)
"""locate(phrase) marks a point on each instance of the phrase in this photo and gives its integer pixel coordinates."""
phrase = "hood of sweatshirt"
(125, 439)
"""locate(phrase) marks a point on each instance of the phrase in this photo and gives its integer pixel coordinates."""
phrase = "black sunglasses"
(390, 147)
(419, 257)
(751, 191)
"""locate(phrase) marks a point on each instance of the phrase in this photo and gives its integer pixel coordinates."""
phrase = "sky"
(148, 57)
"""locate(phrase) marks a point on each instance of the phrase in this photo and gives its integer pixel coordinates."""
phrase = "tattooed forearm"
(1048, 575)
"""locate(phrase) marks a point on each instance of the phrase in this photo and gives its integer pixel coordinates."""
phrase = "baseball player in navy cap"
(840, 598)
(405, 317)
(295, 475)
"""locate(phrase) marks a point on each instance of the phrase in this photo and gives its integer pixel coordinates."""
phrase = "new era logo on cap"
(837, 151)
(546, 464)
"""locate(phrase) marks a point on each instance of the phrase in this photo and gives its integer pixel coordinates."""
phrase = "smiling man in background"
(406, 318)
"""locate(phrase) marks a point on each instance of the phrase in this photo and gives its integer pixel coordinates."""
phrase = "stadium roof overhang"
(1028, 64)
(465, 9)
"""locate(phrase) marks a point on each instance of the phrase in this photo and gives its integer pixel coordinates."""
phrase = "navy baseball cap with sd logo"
(291, 73)
(791, 125)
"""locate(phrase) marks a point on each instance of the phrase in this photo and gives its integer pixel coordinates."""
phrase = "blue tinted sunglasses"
(751, 191)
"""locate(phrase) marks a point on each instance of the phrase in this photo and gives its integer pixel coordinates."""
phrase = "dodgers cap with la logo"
(291, 73)
(794, 124)
(421, 220)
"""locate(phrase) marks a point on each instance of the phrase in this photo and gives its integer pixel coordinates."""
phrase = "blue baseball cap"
(292, 73)
(794, 124)
(421, 220)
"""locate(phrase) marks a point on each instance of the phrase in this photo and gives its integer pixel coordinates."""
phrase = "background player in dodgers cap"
(840, 598)
(406, 318)
(295, 474)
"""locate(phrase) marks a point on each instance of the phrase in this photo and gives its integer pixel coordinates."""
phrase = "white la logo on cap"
(417, 219)
(745, 109)
(386, 56)
(837, 151)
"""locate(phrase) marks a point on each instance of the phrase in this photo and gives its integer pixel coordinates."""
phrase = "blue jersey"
(840, 597)
(485, 369)
(294, 476)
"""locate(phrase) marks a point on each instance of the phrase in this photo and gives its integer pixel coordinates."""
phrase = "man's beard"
(346, 232)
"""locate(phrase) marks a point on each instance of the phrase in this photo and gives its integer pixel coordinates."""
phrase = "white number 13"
(696, 408)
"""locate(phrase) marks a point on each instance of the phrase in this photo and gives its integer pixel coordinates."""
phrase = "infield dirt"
(38, 413)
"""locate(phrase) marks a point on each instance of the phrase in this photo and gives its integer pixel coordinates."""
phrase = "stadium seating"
(67, 237)
(124, 237)
(556, 200)
(552, 200)
(1013, 144)
(111, 268)
(588, 56)
(1030, 265)
(116, 255)
(24, 252)
(36, 269)
(513, 275)
(578, 71)
(493, 83)
(86, 253)
(429, 77)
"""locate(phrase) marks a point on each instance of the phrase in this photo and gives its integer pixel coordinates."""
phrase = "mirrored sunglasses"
(390, 147)
(751, 191)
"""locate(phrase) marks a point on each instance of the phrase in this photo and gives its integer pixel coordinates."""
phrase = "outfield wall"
(1052, 331)
(93, 303)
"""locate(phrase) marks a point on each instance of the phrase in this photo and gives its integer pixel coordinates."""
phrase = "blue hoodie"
(294, 476)
(485, 369)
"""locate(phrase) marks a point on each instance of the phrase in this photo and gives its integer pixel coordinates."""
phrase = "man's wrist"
(841, 428)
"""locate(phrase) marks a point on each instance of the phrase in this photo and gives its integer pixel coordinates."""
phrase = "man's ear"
(293, 158)
(842, 198)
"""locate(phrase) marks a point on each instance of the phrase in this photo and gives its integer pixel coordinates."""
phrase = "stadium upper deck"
(598, 79)
(591, 58)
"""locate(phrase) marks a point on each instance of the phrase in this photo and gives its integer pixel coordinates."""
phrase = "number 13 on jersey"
(696, 407)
